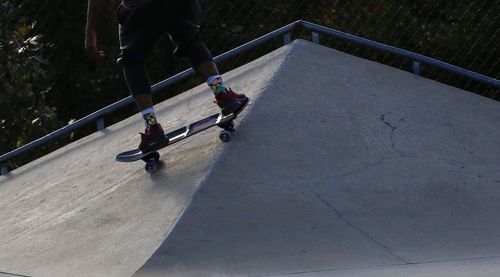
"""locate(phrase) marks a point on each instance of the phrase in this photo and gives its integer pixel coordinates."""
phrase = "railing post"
(287, 38)
(4, 169)
(416, 67)
(100, 124)
(315, 37)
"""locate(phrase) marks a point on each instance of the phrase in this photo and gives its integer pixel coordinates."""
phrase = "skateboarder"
(142, 22)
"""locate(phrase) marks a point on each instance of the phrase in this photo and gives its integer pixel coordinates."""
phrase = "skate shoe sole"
(155, 145)
(235, 107)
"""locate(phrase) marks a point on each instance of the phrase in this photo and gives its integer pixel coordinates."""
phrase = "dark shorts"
(141, 27)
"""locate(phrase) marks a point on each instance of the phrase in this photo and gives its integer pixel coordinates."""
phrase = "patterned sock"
(216, 84)
(149, 117)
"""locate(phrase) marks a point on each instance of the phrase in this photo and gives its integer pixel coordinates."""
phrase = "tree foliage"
(46, 81)
(25, 81)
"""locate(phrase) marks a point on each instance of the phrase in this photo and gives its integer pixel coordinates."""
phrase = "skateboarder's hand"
(94, 8)
(91, 47)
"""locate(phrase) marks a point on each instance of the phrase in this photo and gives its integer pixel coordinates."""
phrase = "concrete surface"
(340, 167)
(77, 212)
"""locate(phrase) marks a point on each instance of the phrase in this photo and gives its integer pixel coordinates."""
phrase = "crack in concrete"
(351, 225)
(378, 266)
(12, 274)
(381, 161)
(387, 123)
(393, 130)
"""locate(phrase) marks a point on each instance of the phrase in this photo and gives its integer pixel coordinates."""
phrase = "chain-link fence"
(463, 33)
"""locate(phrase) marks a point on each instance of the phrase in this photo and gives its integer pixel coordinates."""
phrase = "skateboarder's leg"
(139, 30)
(184, 32)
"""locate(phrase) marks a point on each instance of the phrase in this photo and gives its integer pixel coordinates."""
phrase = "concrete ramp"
(77, 212)
(346, 167)
(340, 167)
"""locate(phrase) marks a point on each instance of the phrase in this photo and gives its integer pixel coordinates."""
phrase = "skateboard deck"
(152, 157)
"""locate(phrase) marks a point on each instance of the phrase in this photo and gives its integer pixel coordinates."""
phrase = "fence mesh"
(462, 33)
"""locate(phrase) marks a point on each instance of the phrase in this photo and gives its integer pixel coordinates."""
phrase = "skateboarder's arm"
(94, 9)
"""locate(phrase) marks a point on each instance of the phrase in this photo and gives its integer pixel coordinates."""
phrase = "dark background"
(46, 81)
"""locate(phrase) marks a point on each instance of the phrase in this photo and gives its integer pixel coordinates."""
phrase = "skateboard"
(152, 157)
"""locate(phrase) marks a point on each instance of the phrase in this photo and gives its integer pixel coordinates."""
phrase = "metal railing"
(286, 32)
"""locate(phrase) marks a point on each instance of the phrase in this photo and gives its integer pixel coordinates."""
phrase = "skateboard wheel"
(151, 166)
(229, 126)
(153, 156)
(225, 136)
